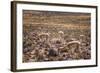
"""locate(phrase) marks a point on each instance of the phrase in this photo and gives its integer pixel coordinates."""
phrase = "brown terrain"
(56, 36)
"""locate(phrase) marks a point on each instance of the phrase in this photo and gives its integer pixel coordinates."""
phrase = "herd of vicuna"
(39, 47)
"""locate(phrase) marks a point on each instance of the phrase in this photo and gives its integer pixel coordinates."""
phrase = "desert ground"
(56, 36)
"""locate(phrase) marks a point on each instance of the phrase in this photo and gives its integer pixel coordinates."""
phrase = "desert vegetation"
(56, 36)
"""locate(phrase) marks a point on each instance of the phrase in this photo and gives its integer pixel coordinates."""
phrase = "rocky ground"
(41, 46)
(56, 36)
